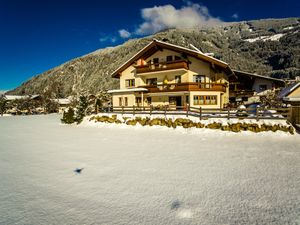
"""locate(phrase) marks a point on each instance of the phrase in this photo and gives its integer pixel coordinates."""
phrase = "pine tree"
(3, 104)
(81, 109)
(68, 116)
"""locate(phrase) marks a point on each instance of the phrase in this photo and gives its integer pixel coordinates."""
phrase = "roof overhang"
(157, 45)
(127, 90)
(291, 99)
(243, 73)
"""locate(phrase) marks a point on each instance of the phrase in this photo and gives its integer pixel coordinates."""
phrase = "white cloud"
(124, 33)
(108, 39)
(235, 16)
(191, 15)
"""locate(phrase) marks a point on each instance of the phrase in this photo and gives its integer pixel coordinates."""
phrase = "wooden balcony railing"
(188, 86)
(178, 64)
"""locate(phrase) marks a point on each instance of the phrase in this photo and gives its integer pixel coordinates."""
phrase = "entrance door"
(178, 101)
(175, 101)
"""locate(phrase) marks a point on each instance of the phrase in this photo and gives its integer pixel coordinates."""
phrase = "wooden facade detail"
(178, 64)
(188, 86)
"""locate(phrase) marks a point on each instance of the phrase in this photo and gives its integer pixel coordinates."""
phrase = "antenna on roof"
(197, 49)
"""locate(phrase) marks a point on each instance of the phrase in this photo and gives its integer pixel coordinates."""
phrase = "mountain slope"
(269, 47)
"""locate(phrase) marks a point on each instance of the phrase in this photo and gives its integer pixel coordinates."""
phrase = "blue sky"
(38, 35)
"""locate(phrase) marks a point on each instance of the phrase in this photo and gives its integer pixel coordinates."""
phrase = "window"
(130, 83)
(149, 100)
(169, 58)
(126, 101)
(205, 99)
(199, 78)
(177, 57)
(262, 87)
(155, 60)
(138, 101)
(151, 81)
(120, 101)
(177, 79)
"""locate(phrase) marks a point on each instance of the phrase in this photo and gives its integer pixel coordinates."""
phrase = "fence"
(295, 115)
(204, 113)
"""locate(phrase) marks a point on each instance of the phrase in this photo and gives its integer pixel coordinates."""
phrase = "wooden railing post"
(187, 110)
(200, 113)
(165, 110)
(290, 114)
(133, 107)
(122, 110)
(150, 110)
(228, 113)
(257, 113)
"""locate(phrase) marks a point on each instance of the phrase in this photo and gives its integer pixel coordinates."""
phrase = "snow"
(288, 28)
(274, 37)
(144, 176)
(62, 101)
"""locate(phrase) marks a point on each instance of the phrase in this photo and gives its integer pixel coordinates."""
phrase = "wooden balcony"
(178, 64)
(188, 86)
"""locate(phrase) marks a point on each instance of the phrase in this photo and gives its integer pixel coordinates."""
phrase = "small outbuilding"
(291, 94)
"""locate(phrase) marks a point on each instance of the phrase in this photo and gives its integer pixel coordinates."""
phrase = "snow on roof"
(292, 99)
(16, 97)
(62, 101)
(126, 90)
(286, 91)
(187, 49)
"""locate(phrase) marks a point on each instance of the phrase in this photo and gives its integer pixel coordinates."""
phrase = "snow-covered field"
(153, 175)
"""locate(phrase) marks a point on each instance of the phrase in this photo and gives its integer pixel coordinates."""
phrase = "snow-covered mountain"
(270, 47)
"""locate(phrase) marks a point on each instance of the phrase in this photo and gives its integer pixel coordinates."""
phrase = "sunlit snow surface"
(149, 175)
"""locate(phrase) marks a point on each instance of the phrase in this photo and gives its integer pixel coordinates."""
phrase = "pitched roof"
(238, 72)
(160, 44)
(288, 90)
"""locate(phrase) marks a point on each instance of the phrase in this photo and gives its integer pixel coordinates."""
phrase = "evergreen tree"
(3, 104)
(81, 109)
(68, 116)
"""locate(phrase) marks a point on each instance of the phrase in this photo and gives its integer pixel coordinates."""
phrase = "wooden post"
(133, 107)
(122, 110)
(150, 110)
(257, 113)
(187, 110)
(200, 113)
(228, 113)
(165, 110)
(290, 114)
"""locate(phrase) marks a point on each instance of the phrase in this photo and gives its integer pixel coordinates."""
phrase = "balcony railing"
(178, 64)
(188, 86)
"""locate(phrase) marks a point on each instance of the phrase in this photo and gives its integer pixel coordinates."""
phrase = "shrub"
(68, 116)
(81, 110)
